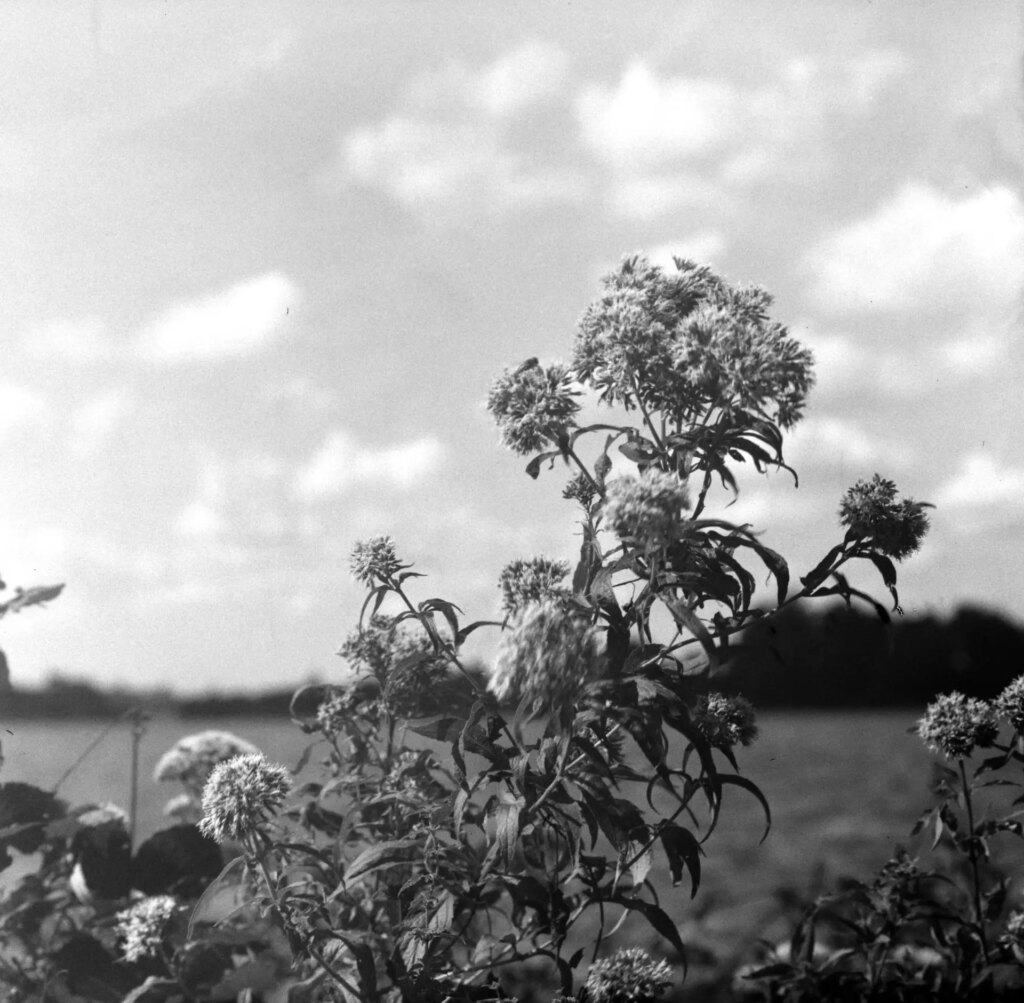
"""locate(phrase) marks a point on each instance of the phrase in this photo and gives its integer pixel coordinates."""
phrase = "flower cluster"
(374, 559)
(533, 406)
(1010, 704)
(630, 975)
(240, 795)
(647, 509)
(531, 581)
(141, 928)
(954, 725)
(546, 658)
(192, 758)
(580, 488)
(725, 721)
(686, 343)
(870, 509)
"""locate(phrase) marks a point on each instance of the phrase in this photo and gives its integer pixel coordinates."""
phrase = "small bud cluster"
(872, 510)
(141, 928)
(523, 582)
(647, 510)
(374, 560)
(954, 725)
(546, 658)
(580, 488)
(725, 721)
(630, 975)
(1010, 704)
(241, 795)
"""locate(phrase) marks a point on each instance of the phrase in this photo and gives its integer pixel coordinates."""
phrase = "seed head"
(1010, 704)
(871, 509)
(725, 721)
(374, 560)
(546, 657)
(954, 725)
(630, 975)
(531, 581)
(241, 795)
(141, 928)
(648, 509)
(533, 406)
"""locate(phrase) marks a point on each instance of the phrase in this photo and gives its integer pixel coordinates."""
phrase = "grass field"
(844, 790)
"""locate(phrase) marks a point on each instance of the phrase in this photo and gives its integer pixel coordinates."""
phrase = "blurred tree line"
(837, 658)
(845, 657)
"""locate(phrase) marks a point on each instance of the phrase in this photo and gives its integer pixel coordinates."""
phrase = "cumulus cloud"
(981, 483)
(831, 441)
(451, 138)
(342, 463)
(673, 141)
(234, 322)
(924, 250)
(646, 121)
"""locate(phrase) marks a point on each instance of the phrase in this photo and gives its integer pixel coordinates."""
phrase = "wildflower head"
(872, 510)
(1015, 926)
(686, 342)
(241, 795)
(648, 509)
(192, 758)
(1010, 704)
(630, 975)
(531, 581)
(546, 658)
(141, 928)
(954, 725)
(725, 721)
(533, 406)
(374, 560)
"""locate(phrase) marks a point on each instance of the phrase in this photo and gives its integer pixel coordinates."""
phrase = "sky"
(260, 271)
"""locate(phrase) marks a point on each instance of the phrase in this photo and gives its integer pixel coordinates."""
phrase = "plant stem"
(972, 851)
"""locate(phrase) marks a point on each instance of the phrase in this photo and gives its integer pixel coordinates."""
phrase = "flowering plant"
(948, 931)
(466, 825)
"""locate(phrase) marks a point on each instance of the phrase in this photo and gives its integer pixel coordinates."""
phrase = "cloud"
(830, 441)
(236, 322)
(202, 518)
(646, 121)
(521, 79)
(981, 483)
(342, 463)
(924, 250)
(20, 407)
(673, 142)
(451, 140)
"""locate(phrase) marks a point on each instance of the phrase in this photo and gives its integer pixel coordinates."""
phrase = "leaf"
(506, 835)
(386, 854)
(658, 919)
(692, 622)
(888, 572)
(154, 989)
(464, 632)
(204, 906)
(748, 785)
(682, 850)
(533, 467)
(821, 570)
(365, 965)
